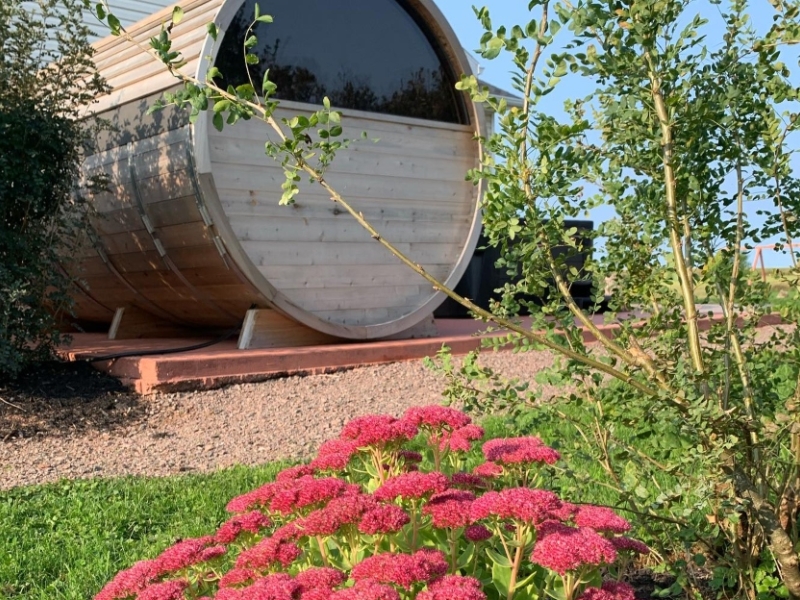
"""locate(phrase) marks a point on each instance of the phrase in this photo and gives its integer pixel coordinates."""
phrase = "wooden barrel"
(190, 228)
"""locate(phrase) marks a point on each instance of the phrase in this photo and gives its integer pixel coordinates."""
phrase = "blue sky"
(510, 12)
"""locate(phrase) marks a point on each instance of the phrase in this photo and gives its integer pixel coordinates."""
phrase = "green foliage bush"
(48, 79)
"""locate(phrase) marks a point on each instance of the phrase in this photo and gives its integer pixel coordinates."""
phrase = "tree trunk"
(779, 541)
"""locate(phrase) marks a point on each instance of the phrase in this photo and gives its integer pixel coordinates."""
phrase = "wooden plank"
(173, 236)
(264, 328)
(176, 211)
(150, 26)
(89, 267)
(236, 151)
(131, 322)
(362, 317)
(356, 276)
(368, 252)
(408, 142)
(312, 202)
(116, 221)
(378, 121)
(163, 160)
(385, 296)
(187, 257)
(424, 329)
(187, 39)
(346, 229)
(395, 188)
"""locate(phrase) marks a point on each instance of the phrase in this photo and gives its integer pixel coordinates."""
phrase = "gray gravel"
(242, 424)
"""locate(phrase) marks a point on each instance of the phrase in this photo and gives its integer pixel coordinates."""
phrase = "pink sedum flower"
(307, 492)
(258, 497)
(320, 577)
(412, 485)
(611, 590)
(601, 519)
(169, 590)
(237, 578)
(461, 439)
(268, 552)
(252, 522)
(565, 548)
(450, 509)
(366, 589)
(436, 417)
(453, 587)
(518, 504)
(509, 451)
(129, 581)
(409, 456)
(334, 455)
(626, 544)
(477, 533)
(488, 470)
(183, 554)
(338, 513)
(387, 518)
(378, 431)
(403, 570)
(467, 480)
(293, 473)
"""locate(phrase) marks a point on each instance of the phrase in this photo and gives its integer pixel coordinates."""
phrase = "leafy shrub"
(48, 79)
(369, 518)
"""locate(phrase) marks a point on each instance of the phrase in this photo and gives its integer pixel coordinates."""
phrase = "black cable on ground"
(200, 346)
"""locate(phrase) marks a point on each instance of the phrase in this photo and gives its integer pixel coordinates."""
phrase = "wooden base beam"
(267, 328)
(131, 323)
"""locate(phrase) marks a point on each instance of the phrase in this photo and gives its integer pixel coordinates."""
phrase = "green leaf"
(213, 72)
(264, 19)
(177, 15)
(501, 578)
(257, 11)
(498, 558)
(212, 30)
(251, 41)
(326, 102)
(218, 120)
(251, 59)
(100, 11)
(114, 25)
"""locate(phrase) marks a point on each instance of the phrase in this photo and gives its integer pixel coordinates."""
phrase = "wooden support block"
(424, 329)
(131, 322)
(267, 328)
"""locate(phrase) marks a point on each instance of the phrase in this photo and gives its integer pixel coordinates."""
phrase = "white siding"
(127, 11)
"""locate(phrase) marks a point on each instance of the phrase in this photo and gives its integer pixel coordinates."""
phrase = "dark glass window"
(363, 54)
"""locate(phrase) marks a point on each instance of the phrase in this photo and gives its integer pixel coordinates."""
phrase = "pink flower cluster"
(272, 525)
(453, 587)
(611, 590)
(403, 570)
(523, 505)
(562, 548)
(142, 577)
(510, 451)
(378, 431)
(412, 485)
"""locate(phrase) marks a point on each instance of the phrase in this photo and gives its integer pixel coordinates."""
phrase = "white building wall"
(127, 11)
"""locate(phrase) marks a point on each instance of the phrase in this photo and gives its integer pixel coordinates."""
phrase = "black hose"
(200, 346)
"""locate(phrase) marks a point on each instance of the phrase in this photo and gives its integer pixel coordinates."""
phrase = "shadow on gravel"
(56, 399)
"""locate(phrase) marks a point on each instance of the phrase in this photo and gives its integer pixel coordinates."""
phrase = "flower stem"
(512, 583)
(323, 552)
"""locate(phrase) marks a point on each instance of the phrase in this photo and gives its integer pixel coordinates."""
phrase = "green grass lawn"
(66, 540)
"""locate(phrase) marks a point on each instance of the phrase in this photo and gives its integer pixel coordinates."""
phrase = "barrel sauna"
(189, 228)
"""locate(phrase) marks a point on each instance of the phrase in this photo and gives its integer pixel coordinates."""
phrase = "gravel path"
(112, 432)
